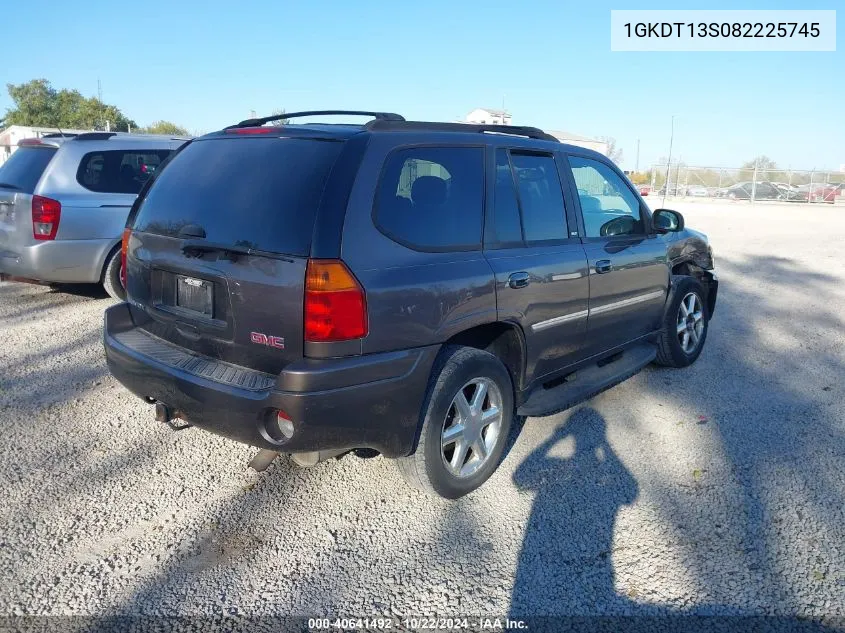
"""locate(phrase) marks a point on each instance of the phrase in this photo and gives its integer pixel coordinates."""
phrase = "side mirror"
(622, 225)
(667, 221)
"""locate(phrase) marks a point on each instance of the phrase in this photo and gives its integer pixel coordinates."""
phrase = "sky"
(204, 65)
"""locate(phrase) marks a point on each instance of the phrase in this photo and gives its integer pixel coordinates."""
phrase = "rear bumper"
(370, 401)
(60, 261)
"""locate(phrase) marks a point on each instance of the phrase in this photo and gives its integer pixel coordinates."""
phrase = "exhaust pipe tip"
(163, 413)
(312, 458)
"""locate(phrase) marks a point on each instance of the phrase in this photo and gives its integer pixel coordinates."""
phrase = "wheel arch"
(503, 339)
(707, 278)
(111, 250)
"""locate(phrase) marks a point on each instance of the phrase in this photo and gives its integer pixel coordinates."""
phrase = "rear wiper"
(195, 248)
(7, 185)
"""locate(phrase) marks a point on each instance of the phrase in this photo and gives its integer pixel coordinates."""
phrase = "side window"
(608, 205)
(431, 198)
(540, 197)
(118, 171)
(507, 227)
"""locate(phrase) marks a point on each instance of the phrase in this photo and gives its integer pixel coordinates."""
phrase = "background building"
(12, 135)
(489, 116)
(580, 141)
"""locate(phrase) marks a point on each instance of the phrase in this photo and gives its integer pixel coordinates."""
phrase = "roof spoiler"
(95, 136)
(378, 116)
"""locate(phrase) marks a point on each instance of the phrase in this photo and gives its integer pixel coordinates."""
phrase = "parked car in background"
(743, 191)
(64, 200)
(791, 193)
(671, 191)
(400, 287)
(697, 191)
(644, 189)
(820, 192)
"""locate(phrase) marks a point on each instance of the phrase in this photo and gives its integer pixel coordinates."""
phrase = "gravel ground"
(715, 489)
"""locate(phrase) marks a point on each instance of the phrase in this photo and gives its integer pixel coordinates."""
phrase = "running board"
(588, 381)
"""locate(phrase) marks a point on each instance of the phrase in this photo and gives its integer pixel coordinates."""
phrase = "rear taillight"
(124, 245)
(46, 214)
(335, 305)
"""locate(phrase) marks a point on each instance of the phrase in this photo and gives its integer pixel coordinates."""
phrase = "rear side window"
(260, 193)
(119, 171)
(23, 169)
(431, 198)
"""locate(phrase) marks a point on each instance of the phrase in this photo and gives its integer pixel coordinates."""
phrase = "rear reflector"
(335, 305)
(253, 130)
(124, 245)
(46, 214)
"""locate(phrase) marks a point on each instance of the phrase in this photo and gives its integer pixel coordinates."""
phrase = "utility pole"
(100, 99)
(754, 180)
(637, 163)
(669, 161)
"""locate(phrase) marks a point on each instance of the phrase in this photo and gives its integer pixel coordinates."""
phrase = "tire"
(675, 348)
(460, 372)
(111, 277)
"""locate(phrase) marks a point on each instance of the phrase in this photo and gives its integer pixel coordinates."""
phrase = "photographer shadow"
(566, 565)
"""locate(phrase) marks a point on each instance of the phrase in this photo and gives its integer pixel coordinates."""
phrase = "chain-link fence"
(743, 183)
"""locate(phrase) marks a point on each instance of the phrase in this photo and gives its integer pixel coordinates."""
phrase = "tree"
(764, 165)
(37, 103)
(164, 127)
(278, 122)
(761, 162)
(613, 153)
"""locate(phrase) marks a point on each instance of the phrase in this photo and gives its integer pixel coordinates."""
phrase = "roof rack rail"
(94, 136)
(435, 126)
(378, 116)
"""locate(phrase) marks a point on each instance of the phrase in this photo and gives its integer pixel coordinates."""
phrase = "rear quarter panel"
(413, 298)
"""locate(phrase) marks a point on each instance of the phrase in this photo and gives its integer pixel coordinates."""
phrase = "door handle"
(519, 280)
(603, 266)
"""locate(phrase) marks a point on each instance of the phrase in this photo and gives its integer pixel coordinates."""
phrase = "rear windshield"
(23, 169)
(259, 193)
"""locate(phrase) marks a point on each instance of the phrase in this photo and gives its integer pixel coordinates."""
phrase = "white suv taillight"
(46, 214)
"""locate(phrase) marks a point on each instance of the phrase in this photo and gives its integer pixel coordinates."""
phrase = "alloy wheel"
(471, 428)
(690, 323)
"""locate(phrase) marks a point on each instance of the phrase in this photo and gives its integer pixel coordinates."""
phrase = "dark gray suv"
(398, 287)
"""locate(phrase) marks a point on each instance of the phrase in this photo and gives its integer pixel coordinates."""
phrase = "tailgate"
(219, 246)
(19, 178)
(245, 310)
(15, 222)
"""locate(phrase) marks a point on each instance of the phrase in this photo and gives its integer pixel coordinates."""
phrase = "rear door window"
(260, 193)
(23, 169)
(119, 171)
(506, 224)
(432, 198)
(540, 196)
